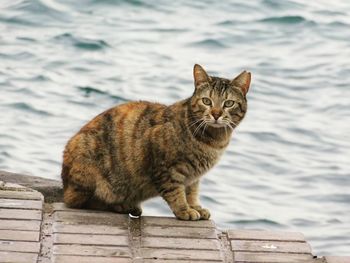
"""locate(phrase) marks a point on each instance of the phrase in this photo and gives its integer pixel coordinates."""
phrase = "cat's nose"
(216, 113)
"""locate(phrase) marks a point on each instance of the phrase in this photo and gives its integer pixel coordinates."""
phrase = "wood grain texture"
(334, 259)
(256, 257)
(90, 250)
(11, 224)
(33, 195)
(17, 257)
(19, 246)
(180, 232)
(89, 229)
(180, 254)
(21, 204)
(89, 259)
(271, 246)
(266, 235)
(180, 243)
(19, 235)
(20, 214)
(170, 221)
(86, 239)
(96, 218)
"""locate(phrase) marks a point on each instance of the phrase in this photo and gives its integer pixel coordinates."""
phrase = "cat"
(139, 150)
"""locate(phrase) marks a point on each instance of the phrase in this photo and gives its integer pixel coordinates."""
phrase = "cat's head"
(219, 102)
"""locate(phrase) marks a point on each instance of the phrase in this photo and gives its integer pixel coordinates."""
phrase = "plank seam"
(225, 248)
(134, 228)
(46, 236)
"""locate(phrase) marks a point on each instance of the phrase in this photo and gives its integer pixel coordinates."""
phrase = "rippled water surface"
(288, 165)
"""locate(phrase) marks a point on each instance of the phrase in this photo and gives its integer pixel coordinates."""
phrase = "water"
(287, 167)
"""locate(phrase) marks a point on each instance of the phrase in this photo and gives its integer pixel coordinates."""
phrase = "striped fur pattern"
(139, 150)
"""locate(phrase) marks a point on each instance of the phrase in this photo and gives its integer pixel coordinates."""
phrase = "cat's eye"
(206, 101)
(229, 103)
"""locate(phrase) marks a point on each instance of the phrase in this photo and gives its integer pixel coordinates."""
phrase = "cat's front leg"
(192, 196)
(175, 196)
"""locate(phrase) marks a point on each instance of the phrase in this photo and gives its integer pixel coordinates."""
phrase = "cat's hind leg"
(75, 196)
(116, 202)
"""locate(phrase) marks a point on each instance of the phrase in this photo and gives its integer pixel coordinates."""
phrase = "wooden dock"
(34, 231)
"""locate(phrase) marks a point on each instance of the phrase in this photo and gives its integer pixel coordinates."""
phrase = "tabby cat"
(139, 150)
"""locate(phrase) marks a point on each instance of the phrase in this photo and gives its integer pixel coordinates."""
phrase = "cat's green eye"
(229, 103)
(206, 101)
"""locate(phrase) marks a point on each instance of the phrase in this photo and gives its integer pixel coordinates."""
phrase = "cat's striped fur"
(139, 150)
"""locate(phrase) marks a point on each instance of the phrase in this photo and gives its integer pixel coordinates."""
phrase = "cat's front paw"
(189, 214)
(205, 213)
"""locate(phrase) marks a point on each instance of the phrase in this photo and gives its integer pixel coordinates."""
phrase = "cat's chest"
(199, 161)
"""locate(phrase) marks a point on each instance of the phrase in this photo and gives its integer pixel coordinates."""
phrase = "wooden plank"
(180, 243)
(19, 246)
(19, 235)
(270, 246)
(334, 259)
(91, 239)
(89, 229)
(265, 235)
(80, 259)
(21, 195)
(91, 218)
(104, 251)
(63, 207)
(21, 204)
(13, 257)
(179, 261)
(179, 232)
(180, 254)
(20, 214)
(31, 225)
(255, 257)
(172, 221)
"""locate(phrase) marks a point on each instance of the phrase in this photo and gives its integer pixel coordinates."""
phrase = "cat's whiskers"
(207, 121)
(232, 122)
(228, 124)
(199, 127)
(232, 129)
(205, 126)
(195, 122)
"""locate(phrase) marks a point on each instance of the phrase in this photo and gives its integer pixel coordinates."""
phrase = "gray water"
(288, 165)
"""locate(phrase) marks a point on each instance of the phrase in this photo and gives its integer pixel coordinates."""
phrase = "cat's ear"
(200, 76)
(242, 81)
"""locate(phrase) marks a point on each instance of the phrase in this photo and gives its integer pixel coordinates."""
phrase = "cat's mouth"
(217, 124)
